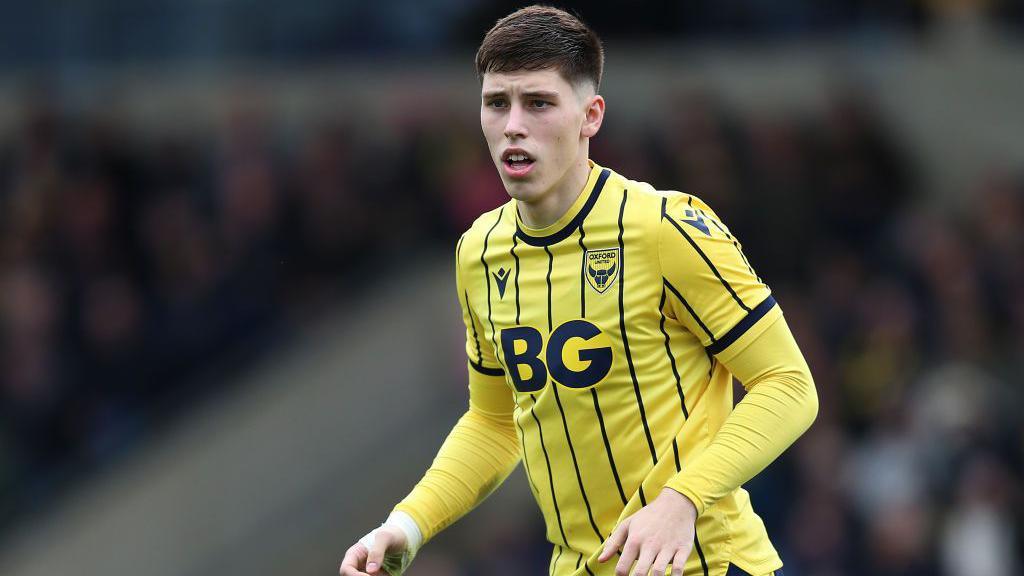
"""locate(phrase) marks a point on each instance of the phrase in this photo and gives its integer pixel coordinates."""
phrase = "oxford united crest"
(602, 267)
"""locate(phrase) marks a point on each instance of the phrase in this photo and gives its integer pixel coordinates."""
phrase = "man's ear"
(594, 115)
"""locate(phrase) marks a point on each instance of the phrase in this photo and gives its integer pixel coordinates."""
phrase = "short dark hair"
(538, 37)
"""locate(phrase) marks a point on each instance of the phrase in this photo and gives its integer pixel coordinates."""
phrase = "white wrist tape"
(395, 564)
(412, 531)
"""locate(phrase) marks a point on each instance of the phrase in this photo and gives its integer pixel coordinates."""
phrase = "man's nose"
(514, 125)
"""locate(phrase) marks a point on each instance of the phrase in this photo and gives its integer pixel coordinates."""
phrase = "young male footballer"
(605, 321)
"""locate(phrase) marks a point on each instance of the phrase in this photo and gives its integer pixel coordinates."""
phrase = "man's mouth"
(517, 161)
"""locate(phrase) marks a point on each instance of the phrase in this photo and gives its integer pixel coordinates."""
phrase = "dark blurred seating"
(132, 264)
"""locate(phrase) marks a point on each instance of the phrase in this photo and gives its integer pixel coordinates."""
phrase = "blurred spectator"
(979, 534)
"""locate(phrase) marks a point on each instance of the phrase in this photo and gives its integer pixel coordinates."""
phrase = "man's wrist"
(405, 522)
(683, 486)
(687, 509)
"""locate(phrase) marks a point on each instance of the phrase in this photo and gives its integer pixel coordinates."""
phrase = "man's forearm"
(781, 403)
(479, 453)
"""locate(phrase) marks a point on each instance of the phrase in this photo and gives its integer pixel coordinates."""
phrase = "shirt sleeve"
(712, 289)
(781, 403)
(482, 448)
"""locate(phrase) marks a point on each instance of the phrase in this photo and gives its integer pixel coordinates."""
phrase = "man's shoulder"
(669, 202)
(473, 238)
(662, 212)
(649, 204)
(483, 223)
(645, 192)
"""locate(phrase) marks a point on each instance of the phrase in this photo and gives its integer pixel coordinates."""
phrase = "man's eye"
(541, 104)
(497, 103)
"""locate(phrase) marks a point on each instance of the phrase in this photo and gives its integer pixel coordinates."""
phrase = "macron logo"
(501, 279)
(694, 219)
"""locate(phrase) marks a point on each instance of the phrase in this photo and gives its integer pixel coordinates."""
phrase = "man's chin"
(522, 190)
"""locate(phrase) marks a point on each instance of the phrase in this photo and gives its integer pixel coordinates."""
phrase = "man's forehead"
(545, 80)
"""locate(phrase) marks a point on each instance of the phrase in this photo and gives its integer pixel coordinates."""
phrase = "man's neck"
(551, 206)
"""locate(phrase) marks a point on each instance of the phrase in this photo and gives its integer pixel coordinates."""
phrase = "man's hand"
(363, 560)
(657, 534)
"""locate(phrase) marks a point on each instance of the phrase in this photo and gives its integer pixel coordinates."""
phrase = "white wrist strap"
(412, 531)
(396, 564)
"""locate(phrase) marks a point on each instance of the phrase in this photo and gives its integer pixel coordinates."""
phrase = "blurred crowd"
(135, 268)
(134, 265)
(61, 34)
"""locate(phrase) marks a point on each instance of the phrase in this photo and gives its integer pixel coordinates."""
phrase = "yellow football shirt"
(604, 335)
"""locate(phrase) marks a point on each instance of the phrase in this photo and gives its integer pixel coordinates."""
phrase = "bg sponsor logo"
(577, 354)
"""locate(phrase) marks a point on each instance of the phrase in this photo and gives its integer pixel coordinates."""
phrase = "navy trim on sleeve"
(738, 330)
(485, 370)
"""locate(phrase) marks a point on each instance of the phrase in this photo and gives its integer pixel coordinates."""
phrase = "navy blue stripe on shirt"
(487, 279)
(710, 264)
(571, 226)
(740, 329)
(693, 313)
(472, 324)
(485, 370)
(551, 476)
(516, 282)
(622, 329)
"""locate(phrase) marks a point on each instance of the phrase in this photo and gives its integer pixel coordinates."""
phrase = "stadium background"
(228, 336)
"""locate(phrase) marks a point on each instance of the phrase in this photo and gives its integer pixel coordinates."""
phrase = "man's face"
(535, 123)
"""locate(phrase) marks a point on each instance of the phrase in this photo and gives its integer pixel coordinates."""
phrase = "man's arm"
(483, 448)
(780, 404)
(717, 296)
(479, 453)
(476, 457)
(719, 299)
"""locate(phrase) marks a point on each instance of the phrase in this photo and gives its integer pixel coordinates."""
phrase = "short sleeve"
(478, 348)
(711, 287)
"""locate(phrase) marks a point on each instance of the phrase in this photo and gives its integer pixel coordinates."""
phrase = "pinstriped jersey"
(610, 328)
